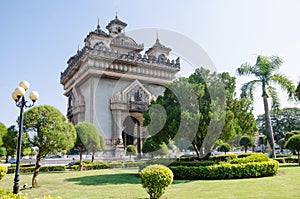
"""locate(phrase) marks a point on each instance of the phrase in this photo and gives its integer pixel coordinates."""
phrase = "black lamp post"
(19, 98)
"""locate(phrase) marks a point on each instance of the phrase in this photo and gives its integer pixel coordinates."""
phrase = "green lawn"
(124, 183)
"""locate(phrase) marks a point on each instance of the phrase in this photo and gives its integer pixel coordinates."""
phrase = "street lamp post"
(19, 98)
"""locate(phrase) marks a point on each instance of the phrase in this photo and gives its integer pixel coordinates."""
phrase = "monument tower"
(111, 81)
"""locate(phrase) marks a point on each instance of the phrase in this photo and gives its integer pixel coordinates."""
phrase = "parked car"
(277, 149)
(12, 161)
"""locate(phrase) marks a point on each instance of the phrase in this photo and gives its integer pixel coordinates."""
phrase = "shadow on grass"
(123, 178)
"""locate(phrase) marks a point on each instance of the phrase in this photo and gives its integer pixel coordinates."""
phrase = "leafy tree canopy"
(87, 137)
(153, 148)
(199, 110)
(283, 121)
(246, 142)
(49, 131)
(224, 148)
(294, 144)
(10, 141)
(3, 131)
(131, 150)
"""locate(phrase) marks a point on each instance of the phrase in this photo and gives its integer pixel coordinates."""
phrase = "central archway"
(131, 133)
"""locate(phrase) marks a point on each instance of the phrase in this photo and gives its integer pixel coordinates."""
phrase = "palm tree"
(265, 71)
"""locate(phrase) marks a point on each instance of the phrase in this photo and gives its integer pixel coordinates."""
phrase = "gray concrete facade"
(110, 82)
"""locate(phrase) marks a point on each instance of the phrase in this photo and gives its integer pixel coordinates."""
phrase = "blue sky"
(38, 37)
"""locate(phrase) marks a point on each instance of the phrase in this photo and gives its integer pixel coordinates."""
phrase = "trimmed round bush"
(155, 178)
(3, 171)
(224, 148)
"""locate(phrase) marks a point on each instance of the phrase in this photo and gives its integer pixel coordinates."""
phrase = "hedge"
(5, 194)
(30, 169)
(89, 166)
(223, 158)
(252, 157)
(226, 171)
(287, 160)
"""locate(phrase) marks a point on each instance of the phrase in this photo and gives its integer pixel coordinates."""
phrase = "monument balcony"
(137, 106)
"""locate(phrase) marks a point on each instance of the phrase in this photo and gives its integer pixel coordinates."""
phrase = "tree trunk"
(36, 170)
(299, 157)
(196, 149)
(80, 160)
(246, 149)
(269, 129)
(6, 158)
(93, 157)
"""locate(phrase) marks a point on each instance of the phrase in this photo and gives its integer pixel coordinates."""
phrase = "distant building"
(109, 82)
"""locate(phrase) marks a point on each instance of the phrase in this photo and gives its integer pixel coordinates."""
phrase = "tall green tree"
(194, 112)
(88, 139)
(265, 72)
(153, 148)
(49, 131)
(198, 110)
(283, 121)
(3, 131)
(10, 141)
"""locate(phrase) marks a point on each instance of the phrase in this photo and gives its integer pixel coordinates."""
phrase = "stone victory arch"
(111, 81)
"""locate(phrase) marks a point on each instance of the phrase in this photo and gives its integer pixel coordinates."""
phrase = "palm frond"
(275, 99)
(275, 63)
(285, 83)
(245, 69)
(248, 88)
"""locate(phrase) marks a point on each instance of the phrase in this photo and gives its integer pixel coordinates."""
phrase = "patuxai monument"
(111, 81)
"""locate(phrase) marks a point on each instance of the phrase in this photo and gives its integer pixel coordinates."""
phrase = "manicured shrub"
(293, 143)
(3, 171)
(115, 164)
(5, 194)
(30, 169)
(223, 158)
(224, 148)
(283, 155)
(291, 160)
(131, 164)
(89, 166)
(280, 160)
(188, 158)
(253, 157)
(226, 171)
(131, 150)
(246, 141)
(193, 163)
(52, 168)
(161, 161)
(155, 178)
(242, 155)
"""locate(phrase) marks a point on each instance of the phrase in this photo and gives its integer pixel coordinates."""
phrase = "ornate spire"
(98, 26)
(78, 48)
(116, 15)
(158, 47)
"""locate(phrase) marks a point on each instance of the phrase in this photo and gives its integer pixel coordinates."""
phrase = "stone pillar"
(117, 127)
